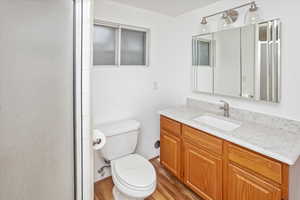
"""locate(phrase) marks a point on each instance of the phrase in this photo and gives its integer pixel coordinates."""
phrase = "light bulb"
(253, 15)
(225, 22)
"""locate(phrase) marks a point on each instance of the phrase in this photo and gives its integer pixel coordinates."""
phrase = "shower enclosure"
(41, 121)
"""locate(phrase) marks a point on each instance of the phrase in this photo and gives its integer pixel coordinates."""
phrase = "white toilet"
(134, 176)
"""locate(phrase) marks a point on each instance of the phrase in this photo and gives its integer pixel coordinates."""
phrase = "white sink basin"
(218, 123)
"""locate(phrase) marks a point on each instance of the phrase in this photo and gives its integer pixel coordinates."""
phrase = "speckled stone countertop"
(281, 144)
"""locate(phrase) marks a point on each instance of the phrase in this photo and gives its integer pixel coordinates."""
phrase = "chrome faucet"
(225, 107)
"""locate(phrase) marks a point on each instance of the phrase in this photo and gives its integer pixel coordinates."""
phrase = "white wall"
(128, 92)
(288, 11)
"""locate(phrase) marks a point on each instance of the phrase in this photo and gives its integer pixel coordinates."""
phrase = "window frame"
(119, 28)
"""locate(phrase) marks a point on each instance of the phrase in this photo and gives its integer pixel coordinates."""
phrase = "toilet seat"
(135, 171)
(134, 176)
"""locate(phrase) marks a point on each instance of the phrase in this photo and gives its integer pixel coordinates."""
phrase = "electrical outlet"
(155, 85)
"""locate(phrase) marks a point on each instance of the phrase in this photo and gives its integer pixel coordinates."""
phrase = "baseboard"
(156, 157)
(104, 179)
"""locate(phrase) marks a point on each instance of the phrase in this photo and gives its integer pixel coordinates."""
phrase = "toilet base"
(118, 195)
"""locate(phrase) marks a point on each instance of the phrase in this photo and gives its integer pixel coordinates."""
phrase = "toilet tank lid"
(118, 127)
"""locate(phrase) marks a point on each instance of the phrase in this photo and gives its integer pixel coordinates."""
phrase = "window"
(120, 45)
(105, 45)
(133, 47)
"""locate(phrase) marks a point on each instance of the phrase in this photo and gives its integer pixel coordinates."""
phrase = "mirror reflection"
(203, 63)
(240, 62)
(227, 62)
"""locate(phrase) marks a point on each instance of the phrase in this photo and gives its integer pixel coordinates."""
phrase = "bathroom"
(170, 100)
(168, 80)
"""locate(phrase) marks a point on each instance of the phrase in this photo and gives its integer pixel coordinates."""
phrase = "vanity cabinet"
(202, 169)
(202, 172)
(217, 169)
(170, 153)
(245, 185)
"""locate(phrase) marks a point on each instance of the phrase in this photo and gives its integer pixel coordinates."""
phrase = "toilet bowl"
(134, 177)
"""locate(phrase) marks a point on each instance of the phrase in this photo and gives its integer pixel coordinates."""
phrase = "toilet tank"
(121, 138)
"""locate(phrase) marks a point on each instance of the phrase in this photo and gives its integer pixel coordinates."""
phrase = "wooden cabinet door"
(170, 146)
(203, 172)
(243, 185)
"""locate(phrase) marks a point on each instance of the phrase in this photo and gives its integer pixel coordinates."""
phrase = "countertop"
(276, 143)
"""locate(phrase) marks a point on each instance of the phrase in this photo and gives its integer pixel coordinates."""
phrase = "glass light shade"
(253, 16)
(224, 23)
(204, 28)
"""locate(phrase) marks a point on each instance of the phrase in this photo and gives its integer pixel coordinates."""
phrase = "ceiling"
(168, 7)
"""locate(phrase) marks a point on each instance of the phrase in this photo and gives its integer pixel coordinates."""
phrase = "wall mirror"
(240, 62)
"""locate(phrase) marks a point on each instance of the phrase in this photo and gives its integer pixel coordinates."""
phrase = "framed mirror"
(240, 62)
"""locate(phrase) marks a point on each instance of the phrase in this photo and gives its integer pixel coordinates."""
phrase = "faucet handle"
(225, 105)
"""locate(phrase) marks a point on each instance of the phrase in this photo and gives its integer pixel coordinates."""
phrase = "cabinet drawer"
(269, 168)
(202, 139)
(170, 125)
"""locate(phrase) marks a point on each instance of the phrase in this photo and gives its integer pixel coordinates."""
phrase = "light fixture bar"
(237, 7)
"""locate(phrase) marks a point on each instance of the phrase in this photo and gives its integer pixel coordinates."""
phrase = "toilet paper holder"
(98, 141)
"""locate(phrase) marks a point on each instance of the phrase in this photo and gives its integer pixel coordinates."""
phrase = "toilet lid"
(135, 171)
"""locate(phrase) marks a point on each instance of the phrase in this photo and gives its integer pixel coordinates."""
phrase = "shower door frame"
(82, 59)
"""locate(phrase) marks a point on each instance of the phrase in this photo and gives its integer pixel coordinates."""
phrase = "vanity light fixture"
(224, 22)
(231, 15)
(204, 26)
(227, 19)
(253, 14)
